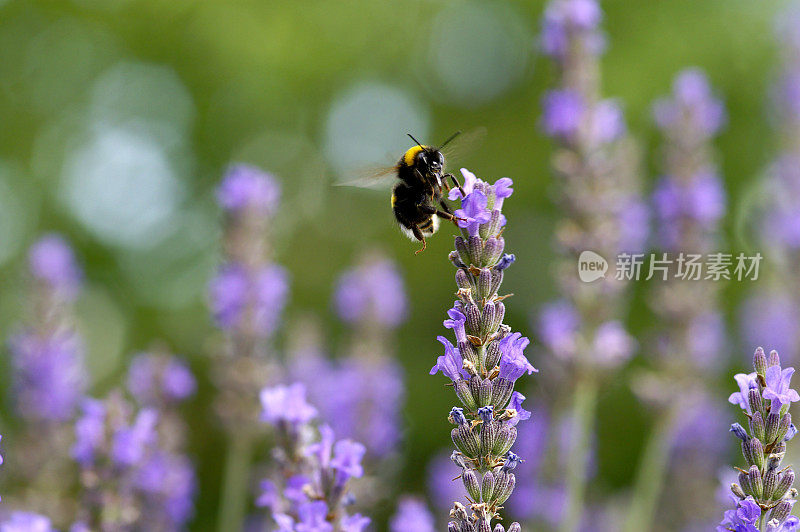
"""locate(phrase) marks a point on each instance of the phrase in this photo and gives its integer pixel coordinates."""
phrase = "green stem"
(233, 501)
(583, 414)
(650, 475)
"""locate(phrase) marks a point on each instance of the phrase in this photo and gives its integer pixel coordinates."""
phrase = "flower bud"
(487, 320)
(782, 510)
(485, 393)
(486, 413)
(454, 257)
(492, 249)
(737, 491)
(457, 416)
(755, 481)
(760, 362)
(470, 479)
(754, 400)
(772, 426)
(475, 245)
(784, 483)
(739, 432)
(744, 482)
(459, 511)
(497, 279)
(515, 527)
(485, 283)
(774, 461)
(464, 394)
(463, 250)
(489, 432)
(499, 528)
(756, 452)
(770, 483)
(774, 359)
(512, 460)
(757, 428)
(473, 322)
(502, 495)
(463, 280)
(505, 261)
(783, 428)
(487, 487)
(466, 440)
(790, 433)
(493, 354)
(458, 459)
(501, 392)
(506, 437)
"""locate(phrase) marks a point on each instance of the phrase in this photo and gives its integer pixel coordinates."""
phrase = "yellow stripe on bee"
(394, 199)
(408, 157)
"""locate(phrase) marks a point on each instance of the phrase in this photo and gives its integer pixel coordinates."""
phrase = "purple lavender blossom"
(778, 387)
(571, 20)
(412, 514)
(742, 518)
(247, 187)
(130, 443)
(359, 397)
(89, 431)
(286, 404)
(468, 186)
(373, 291)
(558, 326)
(169, 482)
(485, 428)
(473, 211)
(52, 261)
(772, 316)
(49, 376)
(153, 379)
(692, 102)
(451, 363)
(26, 522)
(612, 344)
(563, 111)
(234, 290)
(763, 483)
(700, 201)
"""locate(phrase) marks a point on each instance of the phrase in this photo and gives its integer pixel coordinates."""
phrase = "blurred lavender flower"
(26, 522)
(597, 171)
(248, 188)
(360, 398)
(47, 355)
(155, 380)
(764, 494)
(772, 315)
(129, 479)
(485, 362)
(688, 203)
(310, 490)
(52, 262)
(372, 291)
(412, 514)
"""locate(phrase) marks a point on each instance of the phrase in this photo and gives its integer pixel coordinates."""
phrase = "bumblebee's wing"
(374, 178)
(462, 145)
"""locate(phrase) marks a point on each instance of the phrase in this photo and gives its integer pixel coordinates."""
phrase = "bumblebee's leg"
(455, 182)
(448, 214)
(427, 209)
(419, 236)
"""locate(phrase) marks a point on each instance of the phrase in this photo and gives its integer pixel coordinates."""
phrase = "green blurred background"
(118, 117)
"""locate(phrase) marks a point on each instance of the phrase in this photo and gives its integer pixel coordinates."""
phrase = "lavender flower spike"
(484, 364)
(309, 490)
(764, 495)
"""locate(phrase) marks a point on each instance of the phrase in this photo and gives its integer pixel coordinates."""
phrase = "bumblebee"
(417, 200)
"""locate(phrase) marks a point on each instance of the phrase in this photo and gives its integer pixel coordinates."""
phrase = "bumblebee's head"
(428, 160)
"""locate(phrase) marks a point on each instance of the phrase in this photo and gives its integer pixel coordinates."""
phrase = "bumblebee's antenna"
(454, 135)
(415, 140)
